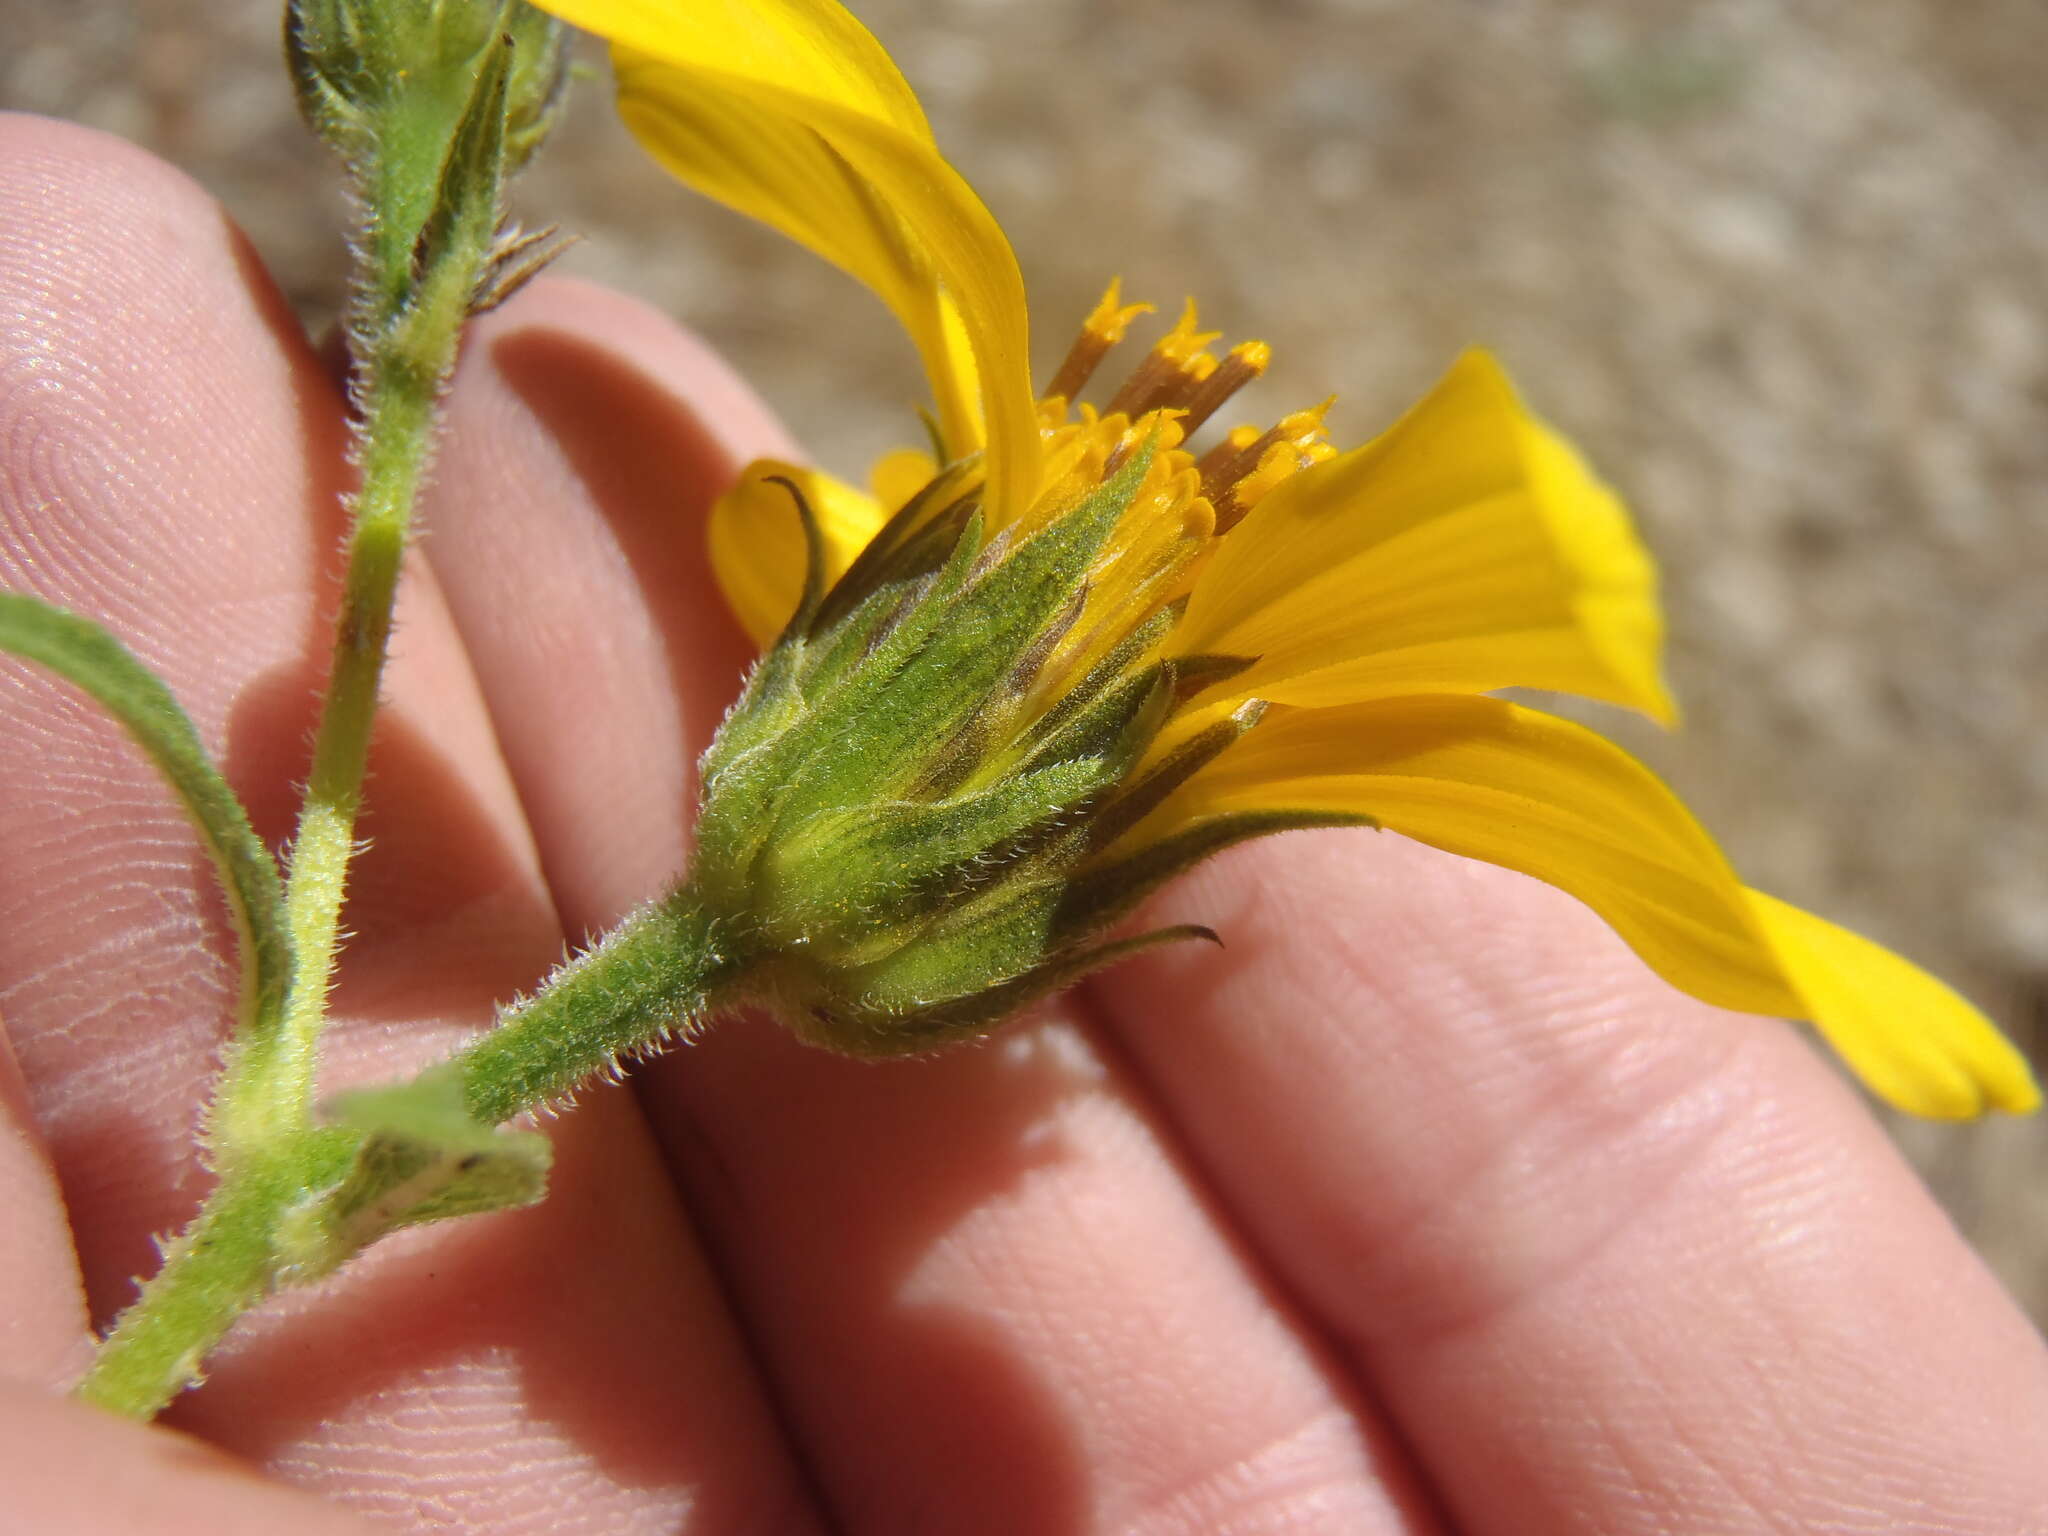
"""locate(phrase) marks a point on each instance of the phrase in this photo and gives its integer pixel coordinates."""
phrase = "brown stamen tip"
(1228, 512)
(1162, 380)
(1231, 460)
(1233, 442)
(1103, 329)
(1246, 447)
(1172, 372)
(1243, 363)
(1278, 462)
(1082, 358)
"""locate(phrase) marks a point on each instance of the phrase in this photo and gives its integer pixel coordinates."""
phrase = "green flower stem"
(266, 1095)
(657, 975)
(270, 1155)
(431, 107)
(266, 1148)
(432, 174)
(397, 435)
(219, 1267)
(654, 977)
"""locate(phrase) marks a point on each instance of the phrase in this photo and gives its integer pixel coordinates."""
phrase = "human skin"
(1420, 1206)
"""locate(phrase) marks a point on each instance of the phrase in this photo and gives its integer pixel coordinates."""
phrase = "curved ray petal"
(1467, 548)
(791, 113)
(757, 539)
(1950, 1064)
(1491, 780)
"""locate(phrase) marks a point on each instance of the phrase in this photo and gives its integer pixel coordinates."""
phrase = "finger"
(992, 1297)
(1616, 1260)
(173, 458)
(73, 1471)
(43, 1335)
(987, 1295)
(587, 443)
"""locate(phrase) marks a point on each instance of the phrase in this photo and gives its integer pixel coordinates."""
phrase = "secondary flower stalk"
(432, 107)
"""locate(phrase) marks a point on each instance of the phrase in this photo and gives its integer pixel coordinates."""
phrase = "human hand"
(1421, 1206)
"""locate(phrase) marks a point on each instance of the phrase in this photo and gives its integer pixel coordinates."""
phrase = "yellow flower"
(1330, 625)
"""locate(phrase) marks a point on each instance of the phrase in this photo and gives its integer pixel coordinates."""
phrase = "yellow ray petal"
(1468, 548)
(757, 540)
(817, 49)
(899, 475)
(1947, 1061)
(1490, 780)
(790, 112)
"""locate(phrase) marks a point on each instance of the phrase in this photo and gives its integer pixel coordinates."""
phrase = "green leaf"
(423, 1157)
(87, 656)
(457, 234)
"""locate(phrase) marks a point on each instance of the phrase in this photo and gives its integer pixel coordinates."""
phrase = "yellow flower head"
(1033, 676)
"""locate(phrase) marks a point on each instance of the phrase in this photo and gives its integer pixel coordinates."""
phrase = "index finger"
(1613, 1259)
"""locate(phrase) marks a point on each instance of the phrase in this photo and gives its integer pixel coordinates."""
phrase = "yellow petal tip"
(1913, 1040)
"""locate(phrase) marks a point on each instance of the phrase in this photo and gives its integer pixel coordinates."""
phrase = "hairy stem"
(267, 1149)
(431, 107)
(269, 1088)
(216, 1269)
(397, 437)
(431, 177)
(655, 976)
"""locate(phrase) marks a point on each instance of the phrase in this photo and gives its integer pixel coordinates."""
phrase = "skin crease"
(1420, 1207)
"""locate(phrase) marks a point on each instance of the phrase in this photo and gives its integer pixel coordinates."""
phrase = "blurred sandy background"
(1782, 268)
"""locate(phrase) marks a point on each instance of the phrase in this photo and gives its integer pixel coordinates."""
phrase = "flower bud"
(368, 68)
